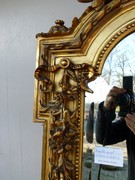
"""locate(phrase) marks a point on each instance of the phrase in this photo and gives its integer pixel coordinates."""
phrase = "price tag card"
(108, 156)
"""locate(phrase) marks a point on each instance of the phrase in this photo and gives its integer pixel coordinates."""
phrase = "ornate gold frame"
(67, 59)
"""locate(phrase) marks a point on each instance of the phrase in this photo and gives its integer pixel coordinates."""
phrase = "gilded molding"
(113, 41)
(96, 11)
(67, 60)
(69, 92)
(64, 129)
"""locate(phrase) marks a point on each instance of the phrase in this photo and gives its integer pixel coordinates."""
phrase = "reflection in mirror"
(119, 63)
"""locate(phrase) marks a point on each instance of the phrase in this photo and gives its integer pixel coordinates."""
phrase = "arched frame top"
(106, 38)
(67, 60)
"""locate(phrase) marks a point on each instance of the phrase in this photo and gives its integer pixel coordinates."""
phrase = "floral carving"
(64, 138)
(61, 82)
(64, 132)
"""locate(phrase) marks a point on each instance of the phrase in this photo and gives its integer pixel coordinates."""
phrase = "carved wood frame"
(67, 59)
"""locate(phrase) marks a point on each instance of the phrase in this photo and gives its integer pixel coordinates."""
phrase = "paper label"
(108, 156)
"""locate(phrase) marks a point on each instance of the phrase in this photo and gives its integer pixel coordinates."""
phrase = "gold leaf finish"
(68, 59)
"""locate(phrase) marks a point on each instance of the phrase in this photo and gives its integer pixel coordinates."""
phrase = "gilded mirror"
(67, 60)
(119, 63)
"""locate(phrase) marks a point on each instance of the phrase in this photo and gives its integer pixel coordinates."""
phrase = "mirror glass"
(120, 62)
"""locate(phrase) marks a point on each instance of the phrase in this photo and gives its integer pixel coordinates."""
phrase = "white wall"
(20, 138)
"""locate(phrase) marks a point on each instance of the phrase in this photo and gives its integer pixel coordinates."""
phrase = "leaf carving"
(68, 165)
